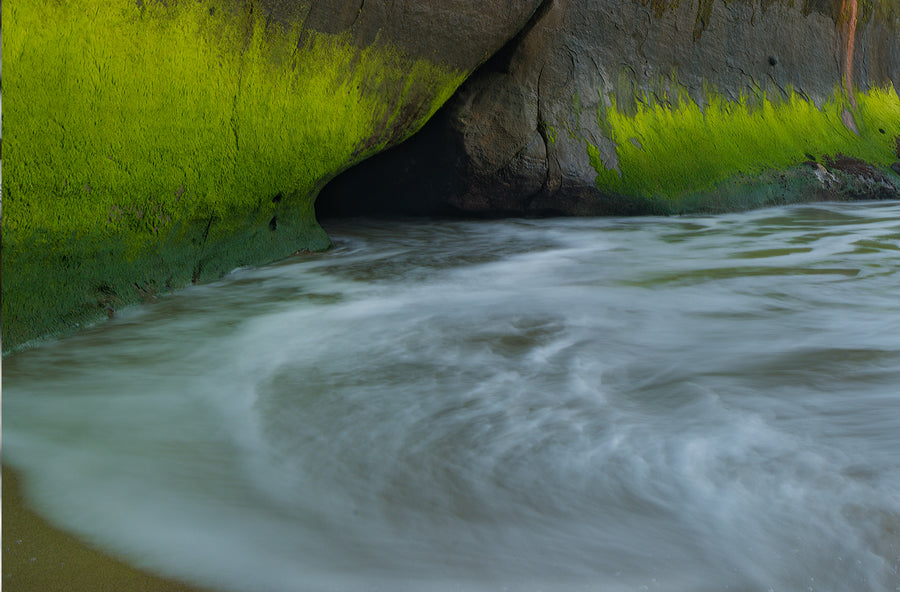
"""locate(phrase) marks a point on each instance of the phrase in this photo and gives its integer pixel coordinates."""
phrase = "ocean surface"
(684, 404)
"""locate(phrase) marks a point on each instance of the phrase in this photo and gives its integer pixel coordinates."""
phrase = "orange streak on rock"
(849, 11)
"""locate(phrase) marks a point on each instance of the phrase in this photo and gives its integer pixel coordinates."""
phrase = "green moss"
(548, 132)
(141, 141)
(666, 151)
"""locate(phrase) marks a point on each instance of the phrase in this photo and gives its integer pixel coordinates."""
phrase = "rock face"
(630, 106)
(153, 144)
(459, 33)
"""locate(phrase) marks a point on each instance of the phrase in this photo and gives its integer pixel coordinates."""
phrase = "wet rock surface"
(518, 136)
(459, 33)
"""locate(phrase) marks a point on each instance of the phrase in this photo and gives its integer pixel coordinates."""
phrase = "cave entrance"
(413, 178)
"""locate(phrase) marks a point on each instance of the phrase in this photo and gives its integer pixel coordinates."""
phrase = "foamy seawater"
(674, 404)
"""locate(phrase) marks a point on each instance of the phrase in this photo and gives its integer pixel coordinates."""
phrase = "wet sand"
(40, 558)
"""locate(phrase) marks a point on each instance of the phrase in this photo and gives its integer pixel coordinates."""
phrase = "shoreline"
(38, 557)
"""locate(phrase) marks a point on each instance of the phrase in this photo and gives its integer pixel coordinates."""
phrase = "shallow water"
(675, 404)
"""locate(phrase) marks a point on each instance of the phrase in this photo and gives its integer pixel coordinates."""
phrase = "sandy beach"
(40, 558)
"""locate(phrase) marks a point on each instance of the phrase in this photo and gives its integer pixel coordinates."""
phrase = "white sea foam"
(682, 404)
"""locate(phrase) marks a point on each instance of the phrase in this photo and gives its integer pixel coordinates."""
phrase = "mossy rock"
(151, 144)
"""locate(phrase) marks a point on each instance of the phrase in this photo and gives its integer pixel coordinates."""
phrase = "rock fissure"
(362, 5)
(543, 129)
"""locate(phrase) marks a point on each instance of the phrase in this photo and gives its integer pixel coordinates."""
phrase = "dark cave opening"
(427, 175)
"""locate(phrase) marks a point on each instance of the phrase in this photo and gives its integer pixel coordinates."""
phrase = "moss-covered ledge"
(150, 145)
(674, 156)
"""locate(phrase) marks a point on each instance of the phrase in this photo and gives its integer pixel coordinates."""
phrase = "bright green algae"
(151, 146)
(676, 156)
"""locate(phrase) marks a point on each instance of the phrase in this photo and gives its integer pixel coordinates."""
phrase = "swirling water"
(676, 404)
